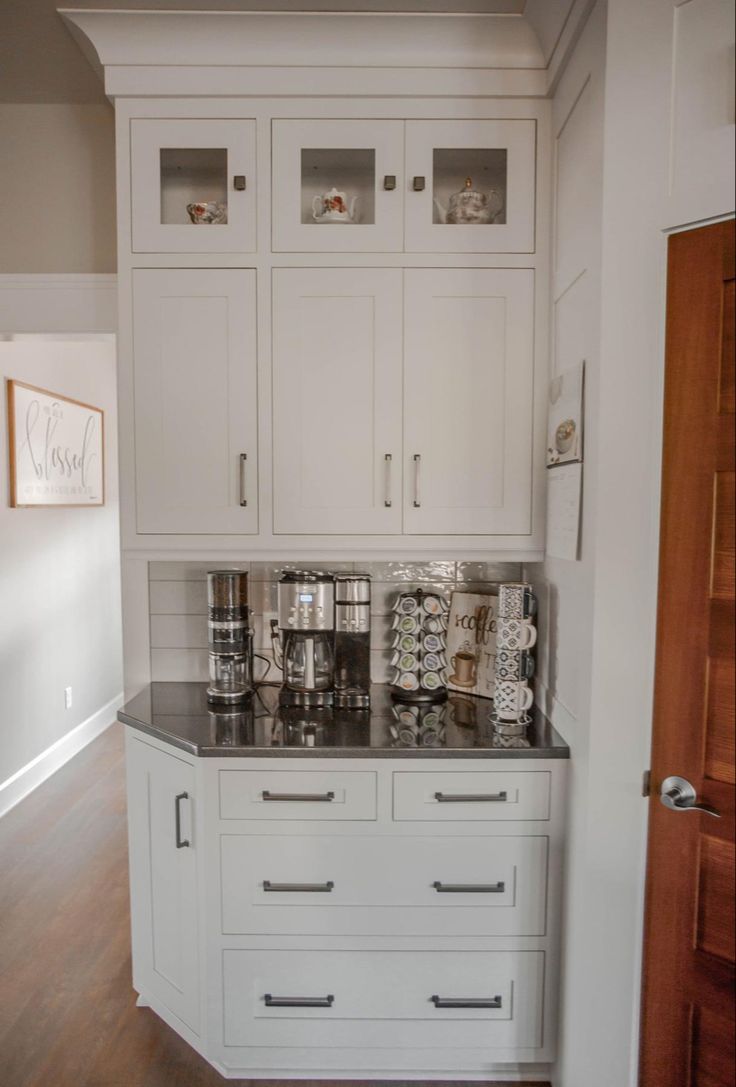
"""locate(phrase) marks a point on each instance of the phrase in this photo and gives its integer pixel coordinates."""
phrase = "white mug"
(511, 699)
(515, 634)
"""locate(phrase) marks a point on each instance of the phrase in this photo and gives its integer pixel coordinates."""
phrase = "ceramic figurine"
(208, 212)
(334, 207)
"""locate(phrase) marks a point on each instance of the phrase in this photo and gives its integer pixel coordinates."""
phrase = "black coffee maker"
(352, 641)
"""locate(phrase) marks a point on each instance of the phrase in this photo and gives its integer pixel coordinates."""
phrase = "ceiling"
(40, 62)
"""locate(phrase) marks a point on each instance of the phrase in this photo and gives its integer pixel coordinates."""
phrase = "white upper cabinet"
(468, 391)
(338, 186)
(337, 411)
(470, 186)
(181, 163)
(195, 374)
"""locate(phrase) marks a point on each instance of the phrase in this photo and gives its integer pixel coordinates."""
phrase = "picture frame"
(56, 449)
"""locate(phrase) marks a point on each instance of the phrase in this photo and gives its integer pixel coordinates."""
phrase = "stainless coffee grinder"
(304, 648)
(352, 641)
(230, 637)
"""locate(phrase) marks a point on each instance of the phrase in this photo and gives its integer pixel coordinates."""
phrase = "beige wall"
(57, 180)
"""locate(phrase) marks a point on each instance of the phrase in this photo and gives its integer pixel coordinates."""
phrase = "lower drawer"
(404, 886)
(383, 998)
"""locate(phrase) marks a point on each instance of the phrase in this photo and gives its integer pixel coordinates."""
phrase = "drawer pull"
(447, 798)
(298, 1001)
(181, 843)
(443, 1002)
(470, 888)
(297, 796)
(268, 886)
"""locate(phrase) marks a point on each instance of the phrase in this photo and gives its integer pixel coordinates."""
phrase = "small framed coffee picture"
(471, 643)
(56, 451)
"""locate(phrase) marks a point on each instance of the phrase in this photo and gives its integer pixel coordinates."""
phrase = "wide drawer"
(297, 794)
(383, 998)
(323, 885)
(471, 796)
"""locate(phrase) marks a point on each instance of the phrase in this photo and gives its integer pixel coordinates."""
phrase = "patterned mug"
(516, 601)
(511, 700)
(513, 664)
(515, 634)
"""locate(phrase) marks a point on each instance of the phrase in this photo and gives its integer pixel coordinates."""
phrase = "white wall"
(57, 179)
(59, 573)
(667, 162)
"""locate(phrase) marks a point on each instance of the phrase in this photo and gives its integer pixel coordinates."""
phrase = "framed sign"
(56, 449)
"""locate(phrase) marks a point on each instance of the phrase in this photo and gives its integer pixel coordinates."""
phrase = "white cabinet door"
(179, 162)
(360, 163)
(495, 158)
(163, 879)
(195, 400)
(337, 400)
(468, 391)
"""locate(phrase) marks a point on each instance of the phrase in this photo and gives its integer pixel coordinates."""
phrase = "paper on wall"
(564, 486)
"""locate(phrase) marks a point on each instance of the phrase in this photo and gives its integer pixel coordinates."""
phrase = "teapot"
(470, 206)
(333, 207)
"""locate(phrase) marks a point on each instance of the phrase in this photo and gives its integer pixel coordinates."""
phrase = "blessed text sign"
(56, 449)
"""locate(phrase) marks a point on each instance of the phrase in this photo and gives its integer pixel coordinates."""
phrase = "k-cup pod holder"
(419, 660)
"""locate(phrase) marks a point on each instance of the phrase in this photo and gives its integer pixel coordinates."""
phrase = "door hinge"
(646, 781)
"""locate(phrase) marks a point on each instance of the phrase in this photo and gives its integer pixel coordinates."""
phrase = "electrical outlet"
(67, 698)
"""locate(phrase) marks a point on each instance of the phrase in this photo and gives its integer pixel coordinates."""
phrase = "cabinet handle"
(298, 1001)
(470, 888)
(445, 1002)
(417, 462)
(268, 886)
(447, 798)
(387, 459)
(181, 843)
(243, 482)
(266, 795)
(239, 182)
(418, 184)
(389, 182)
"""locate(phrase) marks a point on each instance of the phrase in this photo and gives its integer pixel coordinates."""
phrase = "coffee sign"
(56, 449)
(471, 643)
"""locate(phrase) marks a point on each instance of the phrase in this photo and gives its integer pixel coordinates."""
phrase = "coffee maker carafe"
(306, 603)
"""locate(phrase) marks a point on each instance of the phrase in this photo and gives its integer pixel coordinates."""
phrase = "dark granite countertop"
(179, 714)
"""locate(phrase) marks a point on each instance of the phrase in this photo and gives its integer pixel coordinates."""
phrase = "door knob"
(677, 794)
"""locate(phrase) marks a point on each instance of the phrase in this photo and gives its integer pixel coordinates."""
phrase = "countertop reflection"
(179, 714)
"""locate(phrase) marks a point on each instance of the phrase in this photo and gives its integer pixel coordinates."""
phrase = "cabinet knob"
(239, 182)
(419, 184)
(389, 182)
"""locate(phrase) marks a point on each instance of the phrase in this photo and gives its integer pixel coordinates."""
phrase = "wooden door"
(179, 162)
(163, 879)
(337, 400)
(468, 401)
(688, 999)
(362, 160)
(196, 414)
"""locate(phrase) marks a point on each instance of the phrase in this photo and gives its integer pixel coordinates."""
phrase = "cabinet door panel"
(362, 161)
(337, 400)
(163, 879)
(468, 387)
(180, 162)
(195, 400)
(498, 157)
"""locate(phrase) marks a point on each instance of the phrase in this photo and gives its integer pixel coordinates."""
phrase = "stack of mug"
(516, 635)
(420, 639)
(230, 637)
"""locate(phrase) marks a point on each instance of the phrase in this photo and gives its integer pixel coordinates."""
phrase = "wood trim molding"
(58, 304)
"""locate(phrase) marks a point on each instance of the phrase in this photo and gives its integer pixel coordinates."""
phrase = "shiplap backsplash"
(178, 606)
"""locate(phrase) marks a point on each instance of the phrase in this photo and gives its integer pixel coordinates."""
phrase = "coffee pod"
(407, 605)
(408, 662)
(431, 681)
(435, 624)
(407, 643)
(432, 643)
(432, 662)
(408, 681)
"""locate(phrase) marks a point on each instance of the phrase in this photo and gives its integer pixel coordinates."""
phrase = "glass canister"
(231, 675)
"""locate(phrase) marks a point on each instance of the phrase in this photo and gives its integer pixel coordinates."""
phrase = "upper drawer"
(471, 796)
(297, 794)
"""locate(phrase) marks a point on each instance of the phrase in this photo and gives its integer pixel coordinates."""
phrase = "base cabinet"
(163, 879)
(393, 937)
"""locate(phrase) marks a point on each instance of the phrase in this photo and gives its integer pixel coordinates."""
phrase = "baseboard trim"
(38, 770)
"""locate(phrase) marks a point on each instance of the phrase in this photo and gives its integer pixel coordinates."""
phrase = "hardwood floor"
(67, 1010)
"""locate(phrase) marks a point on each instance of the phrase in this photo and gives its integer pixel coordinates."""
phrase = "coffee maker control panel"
(306, 605)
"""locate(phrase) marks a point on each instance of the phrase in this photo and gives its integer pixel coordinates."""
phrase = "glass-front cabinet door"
(470, 186)
(193, 185)
(338, 186)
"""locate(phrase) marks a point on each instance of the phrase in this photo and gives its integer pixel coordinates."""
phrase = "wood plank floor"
(67, 1010)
